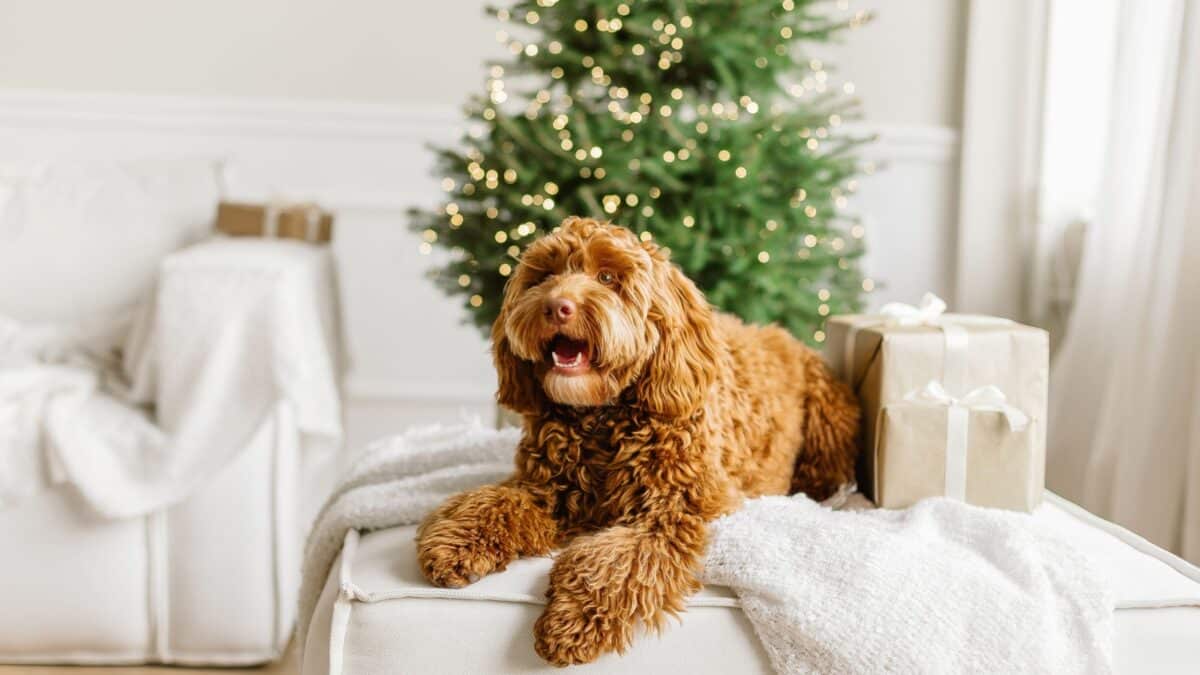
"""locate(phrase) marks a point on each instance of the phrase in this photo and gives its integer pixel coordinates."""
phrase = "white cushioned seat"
(377, 614)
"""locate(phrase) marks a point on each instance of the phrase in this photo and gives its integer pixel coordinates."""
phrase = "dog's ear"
(517, 388)
(680, 371)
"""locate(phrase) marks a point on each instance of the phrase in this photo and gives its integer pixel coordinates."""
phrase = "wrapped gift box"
(889, 359)
(306, 222)
(999, 457)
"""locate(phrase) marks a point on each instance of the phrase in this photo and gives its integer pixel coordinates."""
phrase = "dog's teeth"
(575, 360)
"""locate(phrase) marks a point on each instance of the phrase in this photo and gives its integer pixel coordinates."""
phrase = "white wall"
(336, 50)
(907, 63)
(364, 86)
(907, 67)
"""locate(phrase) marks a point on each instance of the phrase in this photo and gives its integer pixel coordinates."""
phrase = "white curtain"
(1125, 387)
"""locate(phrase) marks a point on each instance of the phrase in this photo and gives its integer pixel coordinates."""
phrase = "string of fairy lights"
(668, 114)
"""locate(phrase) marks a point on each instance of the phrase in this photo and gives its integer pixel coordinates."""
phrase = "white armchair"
(187, 552)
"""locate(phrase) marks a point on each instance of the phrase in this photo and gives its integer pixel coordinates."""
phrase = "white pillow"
(80, 242)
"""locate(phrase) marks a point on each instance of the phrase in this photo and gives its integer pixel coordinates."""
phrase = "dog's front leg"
(604, 585)
(481, 531)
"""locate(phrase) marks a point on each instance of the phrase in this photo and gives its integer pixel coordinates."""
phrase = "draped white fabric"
(235, 328)
(1124, 438)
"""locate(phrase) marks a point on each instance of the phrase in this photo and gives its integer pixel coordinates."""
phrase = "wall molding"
(907, 142)
(339, 121)
(369, 162)
(202, 115)
(363, 387)
(358, 142)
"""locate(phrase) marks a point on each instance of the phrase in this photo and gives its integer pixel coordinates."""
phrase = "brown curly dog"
(646, 415)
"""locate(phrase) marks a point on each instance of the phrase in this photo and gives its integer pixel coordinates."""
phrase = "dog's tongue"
(567, 349)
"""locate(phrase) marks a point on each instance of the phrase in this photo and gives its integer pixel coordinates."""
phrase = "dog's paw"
(566, 635)
(453, 563)
(591, 606)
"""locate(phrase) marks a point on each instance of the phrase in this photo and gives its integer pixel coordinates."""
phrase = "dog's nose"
(561, 310)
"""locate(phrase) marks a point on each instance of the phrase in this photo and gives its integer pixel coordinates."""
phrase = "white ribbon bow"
(931, 308)
(987, 398)
(930, 312)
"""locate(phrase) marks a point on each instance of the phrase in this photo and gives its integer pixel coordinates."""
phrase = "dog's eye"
(605, 278)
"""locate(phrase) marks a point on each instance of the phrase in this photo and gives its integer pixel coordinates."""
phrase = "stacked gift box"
(953, 405)
(284, 220)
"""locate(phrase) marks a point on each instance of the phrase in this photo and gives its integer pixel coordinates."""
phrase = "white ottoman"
(391, 620)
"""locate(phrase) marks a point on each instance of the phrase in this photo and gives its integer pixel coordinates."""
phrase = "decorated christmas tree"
(699, 124)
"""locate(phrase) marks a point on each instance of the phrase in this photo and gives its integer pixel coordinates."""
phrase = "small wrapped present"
(305, 221)
(976, 433)
(925, 444)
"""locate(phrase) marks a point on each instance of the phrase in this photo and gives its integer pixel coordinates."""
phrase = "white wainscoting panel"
(411, 358)
(909, 208)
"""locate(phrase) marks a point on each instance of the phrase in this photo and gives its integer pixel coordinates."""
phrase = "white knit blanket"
(233, 330)
(939, 588)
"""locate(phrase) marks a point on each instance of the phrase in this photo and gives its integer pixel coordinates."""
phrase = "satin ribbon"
(271, 213)
(927, 312)
(930, 312)
(276, 208)
(312, 220)
(987, 398)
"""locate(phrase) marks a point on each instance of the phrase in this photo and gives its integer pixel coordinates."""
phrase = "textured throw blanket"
(942, 587)
(62, 398)
(232, 332)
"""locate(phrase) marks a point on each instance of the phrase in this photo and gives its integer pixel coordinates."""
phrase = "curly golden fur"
(646, 415)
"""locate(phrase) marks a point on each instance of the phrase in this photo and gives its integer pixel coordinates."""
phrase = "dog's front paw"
(454, 550)
(481, 531)
(591, 607)
(453, 565)
(566, 634)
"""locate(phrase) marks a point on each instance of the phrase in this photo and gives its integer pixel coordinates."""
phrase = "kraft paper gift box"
(896, 354)
(977, 449)
(304, 221)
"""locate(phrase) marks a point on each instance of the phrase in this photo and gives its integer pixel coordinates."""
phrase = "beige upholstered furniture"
(212, 576)
(377, 614)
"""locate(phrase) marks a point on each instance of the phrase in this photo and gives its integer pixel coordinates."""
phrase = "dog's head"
(590, 312)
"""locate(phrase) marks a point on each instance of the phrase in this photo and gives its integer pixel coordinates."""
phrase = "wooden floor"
(289, 665)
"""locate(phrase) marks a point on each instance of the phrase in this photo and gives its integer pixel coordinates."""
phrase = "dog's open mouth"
(569, 356)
